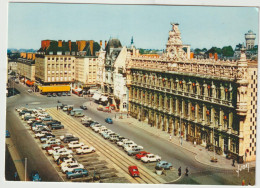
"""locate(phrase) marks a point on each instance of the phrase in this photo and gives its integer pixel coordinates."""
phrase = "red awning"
(28, 82)
(107, 107)
(112, 105)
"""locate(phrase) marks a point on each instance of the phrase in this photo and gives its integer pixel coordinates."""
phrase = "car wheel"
(148, 161)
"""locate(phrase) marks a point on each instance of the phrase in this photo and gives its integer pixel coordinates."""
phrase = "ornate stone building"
(203, 101)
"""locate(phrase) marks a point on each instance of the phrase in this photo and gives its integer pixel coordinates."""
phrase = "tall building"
(212, 103)
(250, 39)
(60, 62)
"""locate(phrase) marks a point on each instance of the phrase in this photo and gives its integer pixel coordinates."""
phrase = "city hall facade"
(208, 102)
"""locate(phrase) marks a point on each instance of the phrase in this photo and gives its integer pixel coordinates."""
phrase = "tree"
(214, 50)
(227, 51)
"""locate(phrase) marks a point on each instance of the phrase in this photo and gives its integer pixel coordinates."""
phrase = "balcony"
(186, 93)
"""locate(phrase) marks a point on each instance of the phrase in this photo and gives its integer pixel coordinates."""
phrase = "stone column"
(171, 101)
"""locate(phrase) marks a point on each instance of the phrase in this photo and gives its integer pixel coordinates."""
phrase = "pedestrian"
(187, 171)
(170, 137)
(57, 107)
(233, 162)
(179, 171)
(243, 182)
(115, 116)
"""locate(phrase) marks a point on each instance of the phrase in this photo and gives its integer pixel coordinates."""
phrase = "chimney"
(100, 43)
(60, 43)
(69, 44)
(91, 46)
(216, 56)
(105, 43)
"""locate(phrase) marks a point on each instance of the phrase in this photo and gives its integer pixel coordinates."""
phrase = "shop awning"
(30, 83)
(103, 98)
(96, 96)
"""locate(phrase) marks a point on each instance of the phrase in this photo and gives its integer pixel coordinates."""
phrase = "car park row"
(129, 146)
(42, 124)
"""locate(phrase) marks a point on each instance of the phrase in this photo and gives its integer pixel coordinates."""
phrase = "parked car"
(55, 149)
(58, 94)
(87, 123)
(75, 144)
(109, 120)
(64, 159)
(35, 176)
(127, 143)
(141, 154)
(77, 173)
(56, 126)
(47, 118)
(64, 94)
(107, 136)
(164, 164)
(30, 91)
(85, 149)
(68, 94)
(133, 146)
(49, 143)
(86, 118)
(134, 172)
(50, 147)
(134, 151)
(46, 137)
(114, 137)
(49, 95)
(150, 158)
(54, 95)
(71, 167)
(70, 139)
(97, 128)
(84, 107)
(122, 142)
(7, 134)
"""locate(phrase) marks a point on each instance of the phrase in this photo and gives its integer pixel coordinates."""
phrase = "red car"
(141, 154)
(133, 170)
(52, 146)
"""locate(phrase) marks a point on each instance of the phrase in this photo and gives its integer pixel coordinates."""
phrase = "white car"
(85, 118)
(150, 158)
(41, 134)
(61, 151)
(127, 143)
(70, 167)
(53, 141)
(96, 129)
(85, 149)
(132, 146)
(68, 161)
(75, 144)
(54, 149)
(96, 126)
(102, 129)
(67, 134)
(122, 142)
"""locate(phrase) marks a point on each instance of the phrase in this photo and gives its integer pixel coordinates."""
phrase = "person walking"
(179, 171)
(187, 171)
(170, 137)
(57, 107)
(233, 162)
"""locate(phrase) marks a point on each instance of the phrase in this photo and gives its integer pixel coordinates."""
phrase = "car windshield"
(135, 170)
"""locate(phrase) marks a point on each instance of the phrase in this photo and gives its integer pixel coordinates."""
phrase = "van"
(77, 113)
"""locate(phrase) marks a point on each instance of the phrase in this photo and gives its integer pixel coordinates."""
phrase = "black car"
(70, 139)
(56, 126)
(49, 95)
(58, 94)
(53, 122)
(84, 107)
(63, 105)
(64, 94)
(87, 123)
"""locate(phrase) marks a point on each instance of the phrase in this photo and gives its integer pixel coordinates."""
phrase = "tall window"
(208, 115)
(200, 110)
(186, 107)
(193, 111)
(216, 117)
(194, 88)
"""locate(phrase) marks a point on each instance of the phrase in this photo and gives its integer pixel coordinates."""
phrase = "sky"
(29, 23)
